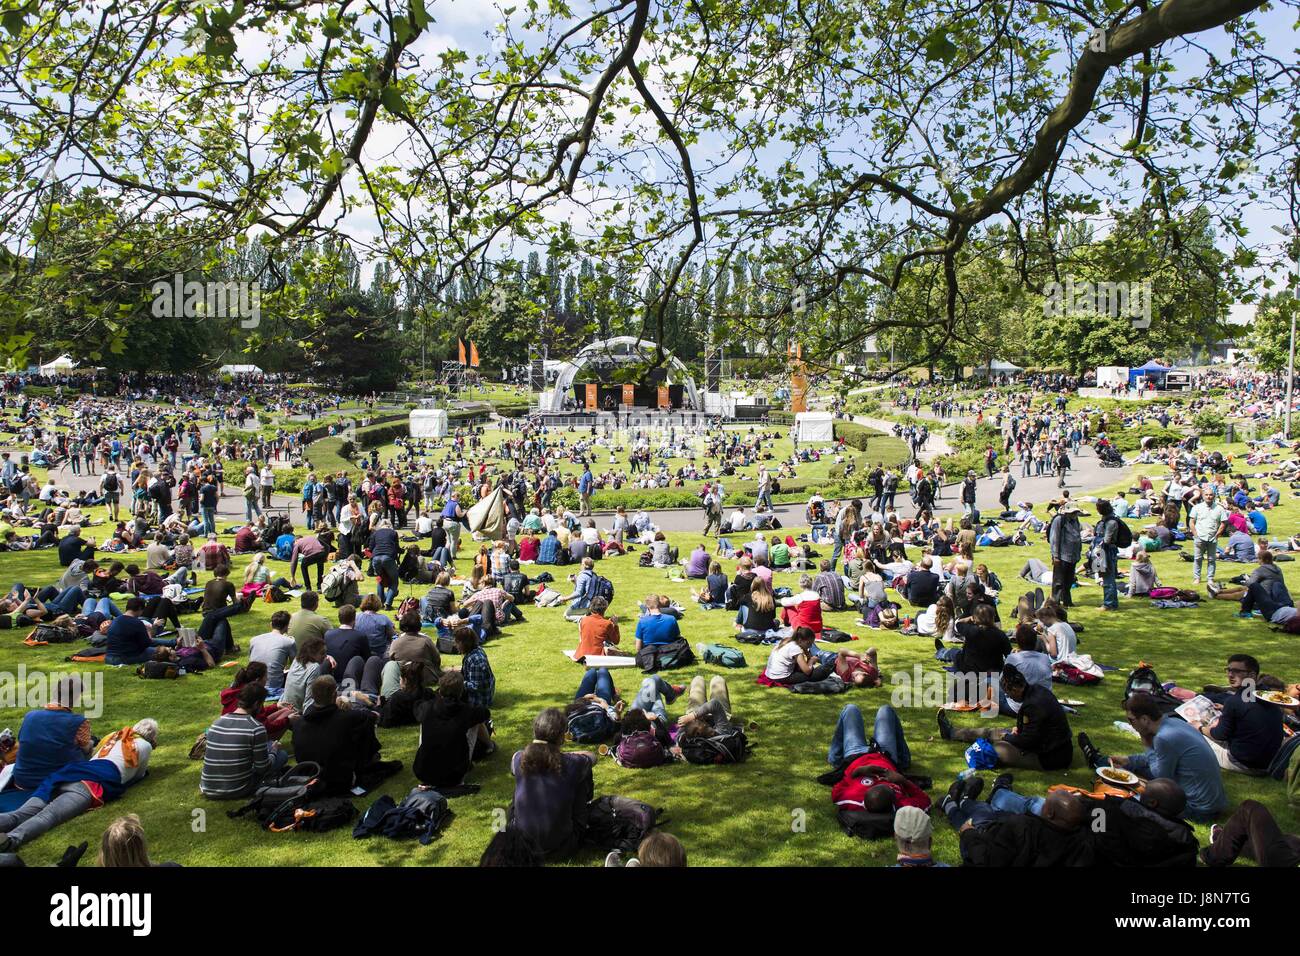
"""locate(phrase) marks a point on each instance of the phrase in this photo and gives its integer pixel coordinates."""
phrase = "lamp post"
(1290, 294)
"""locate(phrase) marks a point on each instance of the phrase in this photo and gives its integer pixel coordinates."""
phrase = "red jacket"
(851, 790)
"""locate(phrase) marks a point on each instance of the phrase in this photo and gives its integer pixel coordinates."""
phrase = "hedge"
(880, 447)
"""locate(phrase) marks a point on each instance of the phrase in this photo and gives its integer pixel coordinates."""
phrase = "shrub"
(1209, 421)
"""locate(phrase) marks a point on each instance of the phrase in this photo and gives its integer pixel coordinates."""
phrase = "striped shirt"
(236, 757)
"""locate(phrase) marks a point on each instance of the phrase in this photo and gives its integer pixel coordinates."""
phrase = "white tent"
(239, 370)
(814, 427)
(1111, 375)
(428, 423)
(488, 517)
(58, 366)
(997, 367)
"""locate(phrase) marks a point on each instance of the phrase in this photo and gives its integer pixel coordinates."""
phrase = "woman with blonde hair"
(124, 843)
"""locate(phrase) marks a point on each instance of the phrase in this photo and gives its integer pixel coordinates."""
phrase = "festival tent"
(814, 427)
(239, 370)
(488, 517)
(428, 423)
(1152, 369)
(58, 366)
(997, 367)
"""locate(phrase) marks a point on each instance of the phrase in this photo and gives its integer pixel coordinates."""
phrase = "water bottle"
(967, 773)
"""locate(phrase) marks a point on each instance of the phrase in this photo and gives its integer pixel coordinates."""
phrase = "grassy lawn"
(768, 811)
(885, 448)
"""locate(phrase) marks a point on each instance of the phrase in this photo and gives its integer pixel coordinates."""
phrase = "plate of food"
(1119, 776)
(1075, 703)
(1277, 697)
(960, 706)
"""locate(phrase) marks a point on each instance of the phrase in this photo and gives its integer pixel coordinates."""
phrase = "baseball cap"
(912, 824)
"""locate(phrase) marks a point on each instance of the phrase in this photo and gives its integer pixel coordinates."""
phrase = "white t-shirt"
(1065, 640)
(781, 662)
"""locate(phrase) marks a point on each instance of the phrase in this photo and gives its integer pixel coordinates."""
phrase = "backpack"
(604, 588)
(620, 823)
(723, 656)
(409, 606)
(864, 824)
(276, 802)
(52, 634)
(320, 815)
(110, 482)
(728, 746)
(334, 584)
(1123, 536)
(447, 645)
(662, 657)
(590, 726)
(161, 670)
(1143, 680)
(423, 814)
(640, 751)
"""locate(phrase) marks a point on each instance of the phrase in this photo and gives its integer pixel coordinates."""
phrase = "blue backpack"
(604, 588)
(591, 726)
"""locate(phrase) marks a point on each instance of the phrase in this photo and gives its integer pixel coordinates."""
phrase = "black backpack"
(1143, 680)
(604, 588)
(1123, 536)
(110, 482)
(277, 801)
(620, 823)
(729, 746)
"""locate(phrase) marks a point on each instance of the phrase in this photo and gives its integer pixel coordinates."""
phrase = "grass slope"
(768, 811)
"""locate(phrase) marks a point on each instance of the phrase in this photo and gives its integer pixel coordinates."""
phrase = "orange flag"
(473, 355)
(461, 343)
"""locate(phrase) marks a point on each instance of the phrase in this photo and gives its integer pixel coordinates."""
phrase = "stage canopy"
(59, 365)
(814, 427)
(239, 370)
(605, 358)
(1152, 370)
(428, 423)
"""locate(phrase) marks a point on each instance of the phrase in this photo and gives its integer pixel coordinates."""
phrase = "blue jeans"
(948, 654)
(385, 569)
(655, 692)
(1109, 590)
(209, 521)
(837, 551)
(979, 813)
(69, 602)
(597, 681)
(251, 508)
(850, 738)
(103, 606)
(1008, 801)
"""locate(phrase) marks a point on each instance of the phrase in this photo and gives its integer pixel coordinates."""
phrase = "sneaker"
(1212, 589)
(945, 726)
(938, 643)
(1089, 750)
(1003, 781)
(1038, 598)
(1215, 832)
(974, 786)
(1244, 614)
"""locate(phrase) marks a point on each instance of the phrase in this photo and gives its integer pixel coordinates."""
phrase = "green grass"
(768, 811)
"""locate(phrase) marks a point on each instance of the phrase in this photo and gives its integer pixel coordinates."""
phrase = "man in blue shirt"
(1175, 749)
(585, 484)
(656, 627)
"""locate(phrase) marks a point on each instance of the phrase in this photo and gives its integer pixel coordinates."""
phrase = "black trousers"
(1062, 580)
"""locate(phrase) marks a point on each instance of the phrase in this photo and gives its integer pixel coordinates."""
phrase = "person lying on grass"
(867, 772)
(121, 759)
(1264, 589)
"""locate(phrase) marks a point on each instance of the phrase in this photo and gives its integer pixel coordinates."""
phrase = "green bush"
(1130, 439)
(957, 464)
(964, 438)
(1209, 421)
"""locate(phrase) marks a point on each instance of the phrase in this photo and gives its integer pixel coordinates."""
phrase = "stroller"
(1109, 457)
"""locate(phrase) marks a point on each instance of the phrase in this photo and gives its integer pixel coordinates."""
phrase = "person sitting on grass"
(274, 718)
(830, 588)
(1264, 589)
(121, 759)
(792, 661)
(1041, 740)
(449, 734)
(398, 708)
(1174, 749)
(657, 848)
(713, 596)
(51, 737)
(913, 830)
(553, 789)
(803, 609)
(697, 562)
(656, 628)
(1248, 732)
(130, 639)
(237, 754)
(342, 740)
(597, 634)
